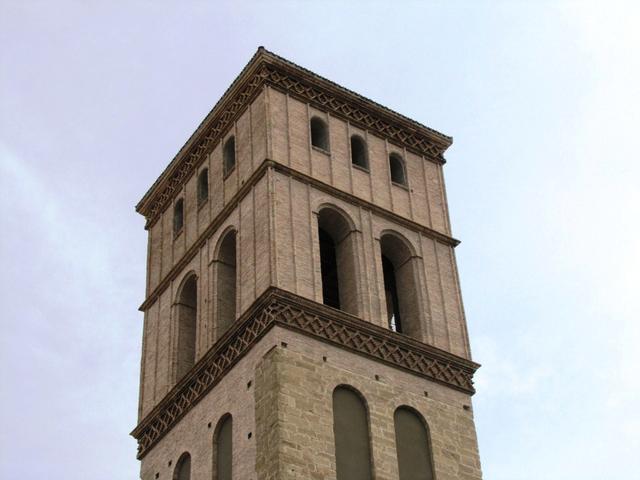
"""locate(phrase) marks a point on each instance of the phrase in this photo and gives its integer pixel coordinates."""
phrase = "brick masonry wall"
(252, 222)
(304, 412)
(424, 201)
(288, 410)
(250, 131)
(295, 211)
(278, 245)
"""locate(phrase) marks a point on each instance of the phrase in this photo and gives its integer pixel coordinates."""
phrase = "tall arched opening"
(223, 449)
(183, 468)
(226, 283)
(187, 314)
(413, 445)
(351, 435)
(401, 286)
(338, 264)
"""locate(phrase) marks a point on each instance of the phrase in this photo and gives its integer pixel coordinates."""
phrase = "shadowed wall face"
(351, 431)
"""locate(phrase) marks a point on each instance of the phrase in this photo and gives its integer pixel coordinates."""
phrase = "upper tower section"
(327, 193)
(276, 110)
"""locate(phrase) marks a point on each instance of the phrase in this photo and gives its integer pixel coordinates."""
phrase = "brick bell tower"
(303, 316)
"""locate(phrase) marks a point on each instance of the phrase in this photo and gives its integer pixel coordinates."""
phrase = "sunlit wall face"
(541, 99)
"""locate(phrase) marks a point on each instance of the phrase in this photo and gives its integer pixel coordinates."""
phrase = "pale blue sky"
(542, 99)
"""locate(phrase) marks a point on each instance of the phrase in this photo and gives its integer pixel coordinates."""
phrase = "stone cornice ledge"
(276, 307)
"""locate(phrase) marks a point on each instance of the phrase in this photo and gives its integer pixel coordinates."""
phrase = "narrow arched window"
(183, 468)
(391, 295)
(400, 285)
(413, 446)
(226, 283)
(178, 216)
(359, 152)
(223, 448)
(396, 168)
(329, 270)
(351, 434)
(337, 261)
(229, 155)
(319, 133)
(187, 313)
(203, 186)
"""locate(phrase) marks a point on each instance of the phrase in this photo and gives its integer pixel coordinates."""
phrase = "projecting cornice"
(266, 68)
(279, 308)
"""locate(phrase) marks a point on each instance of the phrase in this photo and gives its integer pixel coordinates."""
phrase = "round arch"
(225, 275)
(183, 467)
(413, 444)
(400, 268)
(319, 132)
(190, 276)
(335, 220)
(338, 259)
(186, 313)
(227, 230)
(352, 435)
(397, 245)
(223, 448)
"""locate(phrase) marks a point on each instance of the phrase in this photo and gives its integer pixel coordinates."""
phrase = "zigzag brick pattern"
(271, 75)
(291, 312)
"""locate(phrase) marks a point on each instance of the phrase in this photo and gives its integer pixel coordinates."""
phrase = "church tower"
(303, 316)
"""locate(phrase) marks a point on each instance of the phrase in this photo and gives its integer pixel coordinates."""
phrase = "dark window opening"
(351, 434)
(178, 216)
(359, 152)
(203, 186)
(402, 286)
(413, 446)
(391, 294)
(338, 266)
(329, 270)
(396, 167)
(229, 155)
(319, 134)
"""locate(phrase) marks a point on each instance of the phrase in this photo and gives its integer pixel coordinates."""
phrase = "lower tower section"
(299, 390)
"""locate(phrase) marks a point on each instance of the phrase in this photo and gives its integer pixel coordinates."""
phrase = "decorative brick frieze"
(336, 101)
(268, 69)
(279, 308)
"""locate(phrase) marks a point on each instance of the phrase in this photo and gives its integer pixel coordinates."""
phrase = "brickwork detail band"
(284, 309)
(371, 117)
